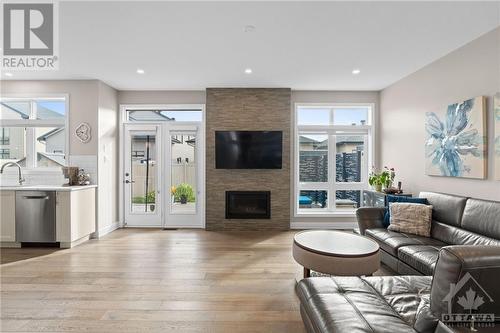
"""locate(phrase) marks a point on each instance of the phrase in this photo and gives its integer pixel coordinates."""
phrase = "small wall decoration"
(456, 140)
(496, 115)
(82, 132)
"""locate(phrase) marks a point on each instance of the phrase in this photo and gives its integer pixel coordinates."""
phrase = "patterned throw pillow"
(399, 198)
(411, 218)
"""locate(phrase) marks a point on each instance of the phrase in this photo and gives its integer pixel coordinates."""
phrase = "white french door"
(184, 168)
(142, 176)
(163, 175)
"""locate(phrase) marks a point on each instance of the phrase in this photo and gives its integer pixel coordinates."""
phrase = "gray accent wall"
(470, 71)
(251, 109)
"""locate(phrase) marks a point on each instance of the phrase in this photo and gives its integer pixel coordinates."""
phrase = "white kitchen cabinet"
(75, 216)
(8, 218)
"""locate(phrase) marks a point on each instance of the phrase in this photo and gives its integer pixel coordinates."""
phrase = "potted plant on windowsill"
(383, 179)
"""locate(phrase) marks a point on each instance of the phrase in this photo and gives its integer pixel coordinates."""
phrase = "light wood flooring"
(144, 280)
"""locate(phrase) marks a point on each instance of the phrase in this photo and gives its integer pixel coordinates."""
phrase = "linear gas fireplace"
(248, 204)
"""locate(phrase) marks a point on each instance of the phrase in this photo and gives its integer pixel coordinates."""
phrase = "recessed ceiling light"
(8, 74)
(248, 71)
(140, 71)
(356, 71)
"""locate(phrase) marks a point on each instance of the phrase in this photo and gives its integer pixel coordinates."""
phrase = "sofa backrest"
(482, 217)
(464, 221)
(466, 276)
(446, 208)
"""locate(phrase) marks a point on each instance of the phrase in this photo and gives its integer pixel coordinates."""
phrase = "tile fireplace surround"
(242, 109)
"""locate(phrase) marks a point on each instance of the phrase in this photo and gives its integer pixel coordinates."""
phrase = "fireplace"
(248, 204)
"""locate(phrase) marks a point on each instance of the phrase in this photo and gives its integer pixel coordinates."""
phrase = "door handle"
(129, 181)
(43, 197)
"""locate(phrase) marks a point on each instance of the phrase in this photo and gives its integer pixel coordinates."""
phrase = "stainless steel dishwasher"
(36, 216)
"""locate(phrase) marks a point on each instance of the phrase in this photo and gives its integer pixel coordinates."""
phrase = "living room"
(262, 166)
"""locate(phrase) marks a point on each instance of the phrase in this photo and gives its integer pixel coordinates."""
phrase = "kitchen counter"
(45, 187)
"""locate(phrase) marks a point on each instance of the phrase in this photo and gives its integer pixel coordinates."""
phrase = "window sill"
(350, 213)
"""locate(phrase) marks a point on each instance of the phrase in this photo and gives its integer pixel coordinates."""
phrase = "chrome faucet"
(21, 179)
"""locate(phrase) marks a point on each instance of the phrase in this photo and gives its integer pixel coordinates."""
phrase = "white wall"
(107, 159)
(299, 96)
(470, 71)
(162, 97)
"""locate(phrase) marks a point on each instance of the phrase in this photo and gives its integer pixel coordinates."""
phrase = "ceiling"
(301, 45)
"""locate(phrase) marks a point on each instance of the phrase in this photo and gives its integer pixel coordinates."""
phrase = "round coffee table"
(335, 253)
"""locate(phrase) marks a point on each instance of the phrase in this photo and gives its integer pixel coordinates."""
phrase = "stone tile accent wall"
(241, 109)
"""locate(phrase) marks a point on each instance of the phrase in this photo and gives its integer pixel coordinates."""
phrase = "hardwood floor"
(140, 280)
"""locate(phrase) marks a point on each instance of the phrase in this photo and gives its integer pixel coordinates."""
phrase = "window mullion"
(332, 157)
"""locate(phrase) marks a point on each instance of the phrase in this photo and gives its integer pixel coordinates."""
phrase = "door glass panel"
(349, 160)
(143, 175)
(183, 173)
(313, 156)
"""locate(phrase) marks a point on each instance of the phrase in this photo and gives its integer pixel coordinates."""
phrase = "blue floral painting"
(456, 140)
(496, 108)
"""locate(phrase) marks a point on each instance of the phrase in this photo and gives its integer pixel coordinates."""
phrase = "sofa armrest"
(369, 218)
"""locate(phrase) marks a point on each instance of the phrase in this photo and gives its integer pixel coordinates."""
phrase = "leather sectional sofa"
(464, 246)
(456, 221)
(403, 304)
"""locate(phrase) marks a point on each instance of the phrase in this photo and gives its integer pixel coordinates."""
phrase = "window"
(4, 154)
(33, 131)
(165, 115)
(4, 136)
(333, 145)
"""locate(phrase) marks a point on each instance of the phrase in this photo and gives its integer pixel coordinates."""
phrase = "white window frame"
(331, 130)
(31, 123)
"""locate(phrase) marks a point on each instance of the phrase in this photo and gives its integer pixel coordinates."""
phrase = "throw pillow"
(399, 198)
(411, 218)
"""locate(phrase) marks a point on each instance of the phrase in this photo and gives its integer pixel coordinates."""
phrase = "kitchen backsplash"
(52, 176)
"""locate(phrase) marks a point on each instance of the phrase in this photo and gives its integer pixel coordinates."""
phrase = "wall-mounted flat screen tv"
(248, 149)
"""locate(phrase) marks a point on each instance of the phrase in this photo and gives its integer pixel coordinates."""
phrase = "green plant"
(184, 190)
(384, 178)
(142, 199)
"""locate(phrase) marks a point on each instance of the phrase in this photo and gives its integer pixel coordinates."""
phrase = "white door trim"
(201, 132)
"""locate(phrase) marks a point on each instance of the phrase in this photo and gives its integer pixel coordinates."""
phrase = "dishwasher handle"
(41, 197)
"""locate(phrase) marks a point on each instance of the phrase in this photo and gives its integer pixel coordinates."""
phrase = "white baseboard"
(323, 225)
(107, 229)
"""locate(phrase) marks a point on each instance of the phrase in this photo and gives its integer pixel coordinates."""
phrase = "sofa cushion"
(391, 241)
(399, 198)
(482, 217)
(411, 218)
(423, 258)
(446, 208)
(457, 236)
(354, 304)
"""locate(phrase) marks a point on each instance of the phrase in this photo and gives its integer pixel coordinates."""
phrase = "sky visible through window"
(184, 115)
(56, 106)
(318, 116)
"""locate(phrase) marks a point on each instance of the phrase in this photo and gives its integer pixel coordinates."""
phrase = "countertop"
(45, 188)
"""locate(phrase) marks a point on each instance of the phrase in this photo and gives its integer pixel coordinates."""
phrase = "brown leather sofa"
(456, 221)
(405, 304)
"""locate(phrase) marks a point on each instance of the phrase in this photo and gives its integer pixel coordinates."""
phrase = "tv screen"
(248, 149)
